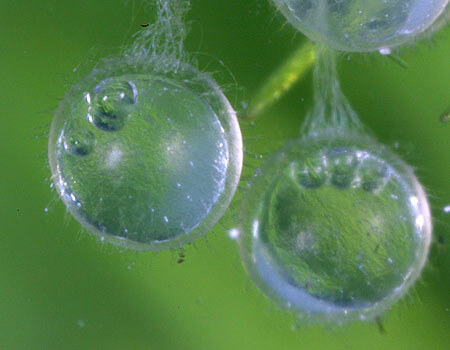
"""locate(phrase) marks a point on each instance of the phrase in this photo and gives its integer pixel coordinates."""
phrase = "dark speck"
(380, 325)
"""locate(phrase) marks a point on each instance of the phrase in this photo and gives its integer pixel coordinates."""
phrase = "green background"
(61, 289)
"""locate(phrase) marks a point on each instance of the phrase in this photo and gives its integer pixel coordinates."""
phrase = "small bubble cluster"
(362, 25)
(335, 228)
(143, 159)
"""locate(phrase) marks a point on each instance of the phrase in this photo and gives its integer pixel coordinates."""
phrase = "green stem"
(397, 59)
(282, 79)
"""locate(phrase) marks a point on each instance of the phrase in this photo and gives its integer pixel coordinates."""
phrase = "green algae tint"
(145, 159)
(362, 25)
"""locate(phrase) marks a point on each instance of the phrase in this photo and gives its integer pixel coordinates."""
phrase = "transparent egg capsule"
(362, 25)
(145, 159)
(336, 228)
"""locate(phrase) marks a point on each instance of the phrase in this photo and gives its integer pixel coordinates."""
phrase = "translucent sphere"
(335, 229)
(361, 25)
(145, 159)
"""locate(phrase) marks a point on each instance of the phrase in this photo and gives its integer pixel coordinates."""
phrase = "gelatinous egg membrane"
(337, 229)
(361, 25)
(145, 160)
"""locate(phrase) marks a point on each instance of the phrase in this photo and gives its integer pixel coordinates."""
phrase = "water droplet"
(163, 198)
(358, 25)
(335, 252)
